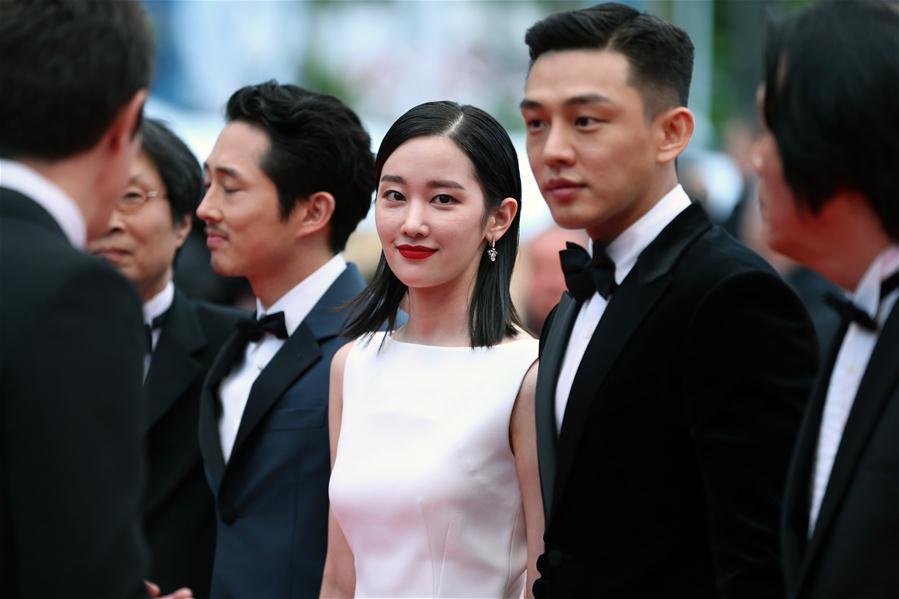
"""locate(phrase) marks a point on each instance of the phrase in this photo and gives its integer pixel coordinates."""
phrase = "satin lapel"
(550, 363)
(173, 367)
(626, 310)
(877, 385)
(327, 317)
(299, 352)
(210, 408)
(797, 501)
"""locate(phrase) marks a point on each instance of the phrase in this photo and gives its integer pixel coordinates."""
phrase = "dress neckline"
(390, 338)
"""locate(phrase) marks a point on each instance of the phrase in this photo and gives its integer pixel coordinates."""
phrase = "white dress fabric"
(424, 483)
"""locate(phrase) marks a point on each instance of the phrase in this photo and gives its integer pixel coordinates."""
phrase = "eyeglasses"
(134, 199)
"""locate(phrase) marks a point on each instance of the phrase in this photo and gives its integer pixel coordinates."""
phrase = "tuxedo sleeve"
(750, 362)
(74, 436)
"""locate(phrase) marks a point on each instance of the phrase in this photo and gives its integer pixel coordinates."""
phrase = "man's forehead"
(239, 147)
(574, 98)
(576, 73)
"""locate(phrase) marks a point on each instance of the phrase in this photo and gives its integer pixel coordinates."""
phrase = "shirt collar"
(49, 196)
(299, 301)
(628, 246)
(867, 294)
(159, 303)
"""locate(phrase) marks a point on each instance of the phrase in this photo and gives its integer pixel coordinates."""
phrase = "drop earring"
(492, 253)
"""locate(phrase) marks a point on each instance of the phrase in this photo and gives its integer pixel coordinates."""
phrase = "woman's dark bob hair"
(491, 315)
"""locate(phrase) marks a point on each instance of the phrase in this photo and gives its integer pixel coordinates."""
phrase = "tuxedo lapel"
(875, 388)
(545, 401)
(299, 353)
(628, 307)
(797, 500)
(210, 408)
(173, 367)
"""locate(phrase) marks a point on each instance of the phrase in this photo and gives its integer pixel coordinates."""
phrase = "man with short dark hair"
(827, 161)
(74, 77)
(674, 371)
(289, 178)
(183, 336)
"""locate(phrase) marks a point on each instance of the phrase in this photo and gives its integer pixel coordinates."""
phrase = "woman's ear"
(674, 130)
(501, 219)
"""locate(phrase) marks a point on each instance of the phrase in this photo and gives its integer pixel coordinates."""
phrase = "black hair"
(832, 103)
(491, 314)
(67, 69)
(178, 167)
(317, 144)
(660, 54)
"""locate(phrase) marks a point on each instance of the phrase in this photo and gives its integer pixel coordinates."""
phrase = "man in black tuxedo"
(147, 228)
(827, 162)
(289, 178)
(674, 371)
(74, 78)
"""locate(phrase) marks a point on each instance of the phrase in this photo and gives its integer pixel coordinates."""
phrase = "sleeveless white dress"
(424, 484)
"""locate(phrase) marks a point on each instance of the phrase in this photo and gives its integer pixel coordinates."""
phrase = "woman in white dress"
(434, 486)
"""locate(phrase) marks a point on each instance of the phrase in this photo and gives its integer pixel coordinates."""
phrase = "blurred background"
(384, 56)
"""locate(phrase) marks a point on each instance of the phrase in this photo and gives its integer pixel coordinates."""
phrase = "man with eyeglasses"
(148, 226)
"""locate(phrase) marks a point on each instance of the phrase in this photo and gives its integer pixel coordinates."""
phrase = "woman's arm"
(523, 435)
(339, 579)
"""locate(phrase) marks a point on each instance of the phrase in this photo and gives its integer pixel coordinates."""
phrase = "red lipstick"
(415, 252)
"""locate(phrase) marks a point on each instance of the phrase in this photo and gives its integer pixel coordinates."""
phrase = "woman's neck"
(438, 316)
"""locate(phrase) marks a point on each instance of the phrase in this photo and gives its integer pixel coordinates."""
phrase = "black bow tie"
(889, 285)
(850, 312)
(584, 275)
(254, 329)
(149, 328)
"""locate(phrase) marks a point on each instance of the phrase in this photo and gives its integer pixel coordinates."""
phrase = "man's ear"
(182, 229)
(501, 219)
(313, 214)
(122, 131)
(674, 128)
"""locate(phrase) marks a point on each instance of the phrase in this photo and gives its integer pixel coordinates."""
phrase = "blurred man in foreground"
(827, 162)
(74, 77)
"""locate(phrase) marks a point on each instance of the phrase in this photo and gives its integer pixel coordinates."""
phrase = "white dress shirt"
(624, 251)
(156, 306)
(848, 370)
(27, 181)
(296, 305)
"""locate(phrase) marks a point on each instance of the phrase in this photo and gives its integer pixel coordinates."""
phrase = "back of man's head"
(832, 102)
(318, 144)
(660, 55)
(67, 69)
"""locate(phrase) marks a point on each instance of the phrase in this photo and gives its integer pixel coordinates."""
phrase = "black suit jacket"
(854, 551)
(272, 496)
(666, 479)
(179, 517)
(71, 426)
